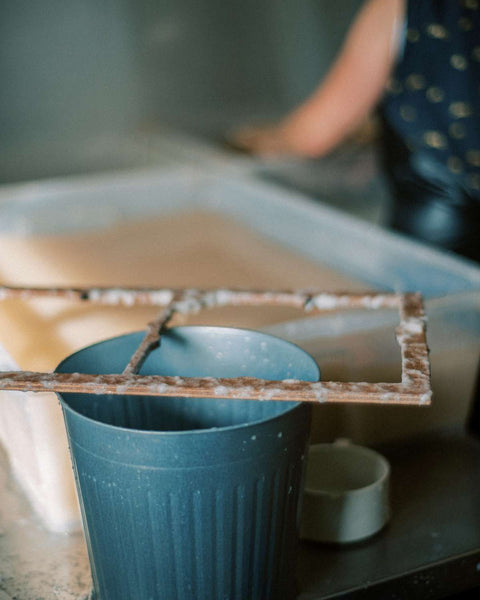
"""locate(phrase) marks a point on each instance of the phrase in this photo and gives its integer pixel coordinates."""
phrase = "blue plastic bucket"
(188, 498)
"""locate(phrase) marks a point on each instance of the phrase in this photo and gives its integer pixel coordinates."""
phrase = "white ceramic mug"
(346, 494)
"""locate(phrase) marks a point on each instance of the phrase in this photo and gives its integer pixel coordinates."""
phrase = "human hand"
(262, 140)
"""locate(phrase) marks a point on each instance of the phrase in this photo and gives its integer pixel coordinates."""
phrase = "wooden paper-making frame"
(414, 387)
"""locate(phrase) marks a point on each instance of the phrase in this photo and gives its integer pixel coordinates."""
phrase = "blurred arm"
(348, 93)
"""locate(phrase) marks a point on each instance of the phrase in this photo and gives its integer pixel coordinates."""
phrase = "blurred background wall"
(73, 72)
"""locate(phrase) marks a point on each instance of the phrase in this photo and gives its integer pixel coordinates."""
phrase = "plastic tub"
(187, 228)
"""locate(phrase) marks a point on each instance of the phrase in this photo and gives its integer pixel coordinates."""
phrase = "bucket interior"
(193, 351)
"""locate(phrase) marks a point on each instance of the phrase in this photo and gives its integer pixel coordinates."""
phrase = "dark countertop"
(431, 547)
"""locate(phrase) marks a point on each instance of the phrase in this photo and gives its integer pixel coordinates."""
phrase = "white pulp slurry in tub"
(187, 250)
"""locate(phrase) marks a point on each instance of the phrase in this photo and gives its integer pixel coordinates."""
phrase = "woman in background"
(419, 62)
